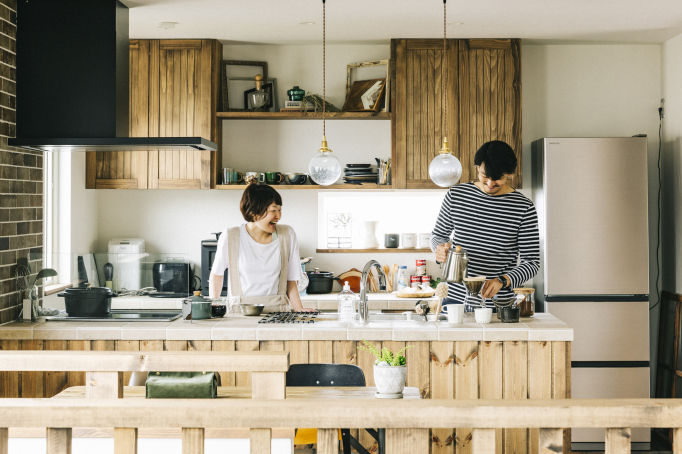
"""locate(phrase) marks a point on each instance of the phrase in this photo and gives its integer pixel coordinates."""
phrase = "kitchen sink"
(123, 316)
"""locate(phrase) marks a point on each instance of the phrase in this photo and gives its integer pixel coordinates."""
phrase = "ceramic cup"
(455, 313)
(296, 178)
(424, 240)
(391, 240)
(274, 177)
(483, 315)
(409, 240)
(254, 177)
(236, 177)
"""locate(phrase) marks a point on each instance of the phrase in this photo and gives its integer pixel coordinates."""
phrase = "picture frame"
(271, 89)
(224, 79)
(354, 100)
(365, 64)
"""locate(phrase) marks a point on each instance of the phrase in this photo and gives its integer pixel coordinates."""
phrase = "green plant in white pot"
(390, 371)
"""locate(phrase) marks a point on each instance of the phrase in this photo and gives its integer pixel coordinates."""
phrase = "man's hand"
(491, 287)
(442, 252)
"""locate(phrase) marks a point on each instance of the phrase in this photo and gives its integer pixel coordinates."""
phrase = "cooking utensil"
(417, 294)
(372, 282)
(196, 307)
(441, 294)
(251, 309)
(510, 314)
(394, 269)
(109, 275)
(218, 310)
(455, 266)
(82, 273)
(22, 275)
(353, 277)
(87, 302)
(320, 281)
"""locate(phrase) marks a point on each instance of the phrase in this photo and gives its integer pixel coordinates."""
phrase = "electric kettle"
(455, 267)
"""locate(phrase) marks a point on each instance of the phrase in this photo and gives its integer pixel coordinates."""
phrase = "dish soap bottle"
(346, 308)
(403, 282)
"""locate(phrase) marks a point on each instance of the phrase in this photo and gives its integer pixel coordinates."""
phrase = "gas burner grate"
(289, 317)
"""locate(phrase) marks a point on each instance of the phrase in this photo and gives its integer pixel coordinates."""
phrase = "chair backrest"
(325, 375)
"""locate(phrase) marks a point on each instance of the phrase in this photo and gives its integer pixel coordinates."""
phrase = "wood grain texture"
(327, 441)
(261, 440)
(58, 441)
(407, 441)
(442, 357)
(618, 440)
(193, 440)
(539, 381)
(4, 440)
(243, 378)
(677, 441)
(125, 440)
(515, 386)
(104, 385)
(466, 387)
(483, 441)
(490, 384)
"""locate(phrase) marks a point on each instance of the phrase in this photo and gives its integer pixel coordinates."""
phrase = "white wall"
(596, 91)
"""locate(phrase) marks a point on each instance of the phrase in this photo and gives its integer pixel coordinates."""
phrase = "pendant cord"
(324, 68)
(445, 51)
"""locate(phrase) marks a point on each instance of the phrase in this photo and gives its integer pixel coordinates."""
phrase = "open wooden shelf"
(351, 187)
(375, 250)
(303, 116)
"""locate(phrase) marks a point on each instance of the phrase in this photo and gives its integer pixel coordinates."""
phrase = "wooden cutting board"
(421, 294)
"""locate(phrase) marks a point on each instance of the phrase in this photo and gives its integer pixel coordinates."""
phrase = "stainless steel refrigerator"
(591, 197)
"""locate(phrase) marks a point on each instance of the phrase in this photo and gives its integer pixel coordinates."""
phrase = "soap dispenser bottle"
(346, 308)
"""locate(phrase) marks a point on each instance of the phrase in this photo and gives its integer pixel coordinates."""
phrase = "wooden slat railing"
(104, 380)
(407, 422)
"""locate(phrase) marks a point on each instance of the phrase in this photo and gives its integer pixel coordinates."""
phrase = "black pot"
(509, 314)
(320, 282)
(87, 302)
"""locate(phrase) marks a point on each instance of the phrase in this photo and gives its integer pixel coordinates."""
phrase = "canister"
(415, 281)
(527, 304)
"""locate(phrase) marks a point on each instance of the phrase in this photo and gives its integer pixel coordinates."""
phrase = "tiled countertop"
(542, 327)
(328, 301)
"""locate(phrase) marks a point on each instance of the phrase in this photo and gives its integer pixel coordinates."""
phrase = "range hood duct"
(73, 80)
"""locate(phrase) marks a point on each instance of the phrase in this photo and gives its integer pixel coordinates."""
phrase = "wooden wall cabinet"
(174, 91)
(483, 104)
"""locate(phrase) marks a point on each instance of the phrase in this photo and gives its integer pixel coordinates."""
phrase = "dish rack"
(289, 317)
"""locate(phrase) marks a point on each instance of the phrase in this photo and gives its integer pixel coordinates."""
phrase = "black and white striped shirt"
(494, 230)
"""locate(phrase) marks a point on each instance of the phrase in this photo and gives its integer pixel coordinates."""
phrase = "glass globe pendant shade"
(324, 168)
(445, 170)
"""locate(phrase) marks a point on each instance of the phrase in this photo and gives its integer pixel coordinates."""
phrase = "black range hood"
(73, 80)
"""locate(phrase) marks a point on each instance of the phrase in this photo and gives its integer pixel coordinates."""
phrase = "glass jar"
(527, 304)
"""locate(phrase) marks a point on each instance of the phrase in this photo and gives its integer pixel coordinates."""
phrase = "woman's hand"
(491, 288)
(295, 299)
(442, 252)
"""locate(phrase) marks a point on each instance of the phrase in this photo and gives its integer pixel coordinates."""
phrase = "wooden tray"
(416, 294)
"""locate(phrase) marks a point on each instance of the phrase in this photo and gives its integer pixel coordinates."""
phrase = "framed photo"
(226, 78)
(365, 96)
(365, 64)
(271, 89)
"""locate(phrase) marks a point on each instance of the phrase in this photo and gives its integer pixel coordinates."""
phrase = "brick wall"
(21, 179)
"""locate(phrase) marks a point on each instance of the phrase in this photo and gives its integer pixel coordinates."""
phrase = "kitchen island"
(527, 360)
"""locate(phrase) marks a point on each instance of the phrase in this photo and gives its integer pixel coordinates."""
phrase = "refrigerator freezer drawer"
(613, 331)
(607, 383)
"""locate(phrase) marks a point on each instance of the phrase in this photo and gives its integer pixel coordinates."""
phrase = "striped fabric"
(499, 233)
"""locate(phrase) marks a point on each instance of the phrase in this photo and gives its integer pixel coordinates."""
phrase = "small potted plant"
(390, 371)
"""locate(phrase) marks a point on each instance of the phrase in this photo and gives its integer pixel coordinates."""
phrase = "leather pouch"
(181, 385)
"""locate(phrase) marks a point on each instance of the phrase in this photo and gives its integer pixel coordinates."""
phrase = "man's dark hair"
(499, 159)
(256, 200)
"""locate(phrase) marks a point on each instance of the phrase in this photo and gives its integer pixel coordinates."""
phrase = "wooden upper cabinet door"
(126, 169)
(483, 103)
(182, 103)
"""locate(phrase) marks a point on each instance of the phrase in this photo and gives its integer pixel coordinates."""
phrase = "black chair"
(335, 375)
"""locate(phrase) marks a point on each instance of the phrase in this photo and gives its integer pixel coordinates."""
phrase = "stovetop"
(123, 316)
(289, 317)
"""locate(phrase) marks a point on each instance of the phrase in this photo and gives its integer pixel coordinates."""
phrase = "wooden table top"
(231, 392)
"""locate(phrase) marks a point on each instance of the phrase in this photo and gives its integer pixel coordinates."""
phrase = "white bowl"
(483, 315)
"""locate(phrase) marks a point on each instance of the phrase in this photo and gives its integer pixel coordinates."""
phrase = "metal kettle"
(455, 268)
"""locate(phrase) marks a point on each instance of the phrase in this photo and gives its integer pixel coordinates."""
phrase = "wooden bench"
(407, 422)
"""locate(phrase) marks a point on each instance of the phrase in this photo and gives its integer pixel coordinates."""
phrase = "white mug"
(455, 313)
(409, 240)
(483, 315)
(425, 240)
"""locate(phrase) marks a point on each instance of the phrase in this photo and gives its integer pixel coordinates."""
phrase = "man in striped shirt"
(496, 225)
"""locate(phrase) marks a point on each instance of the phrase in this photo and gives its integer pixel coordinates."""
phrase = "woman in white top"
(260, 256)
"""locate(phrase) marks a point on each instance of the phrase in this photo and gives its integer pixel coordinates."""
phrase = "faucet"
(363, 309)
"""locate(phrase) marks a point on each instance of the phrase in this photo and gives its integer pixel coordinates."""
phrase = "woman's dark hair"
(499, 159)
(256, 200)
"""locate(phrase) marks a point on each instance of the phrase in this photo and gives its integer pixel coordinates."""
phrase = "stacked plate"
(360, 173)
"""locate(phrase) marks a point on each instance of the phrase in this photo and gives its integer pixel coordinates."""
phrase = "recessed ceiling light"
(166, 25)
(455, 23)
(307, 23)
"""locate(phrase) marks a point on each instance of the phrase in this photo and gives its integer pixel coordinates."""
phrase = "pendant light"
(324, 168)
(445, 170)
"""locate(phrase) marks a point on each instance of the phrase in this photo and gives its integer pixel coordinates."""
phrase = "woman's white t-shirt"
(259, 264)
